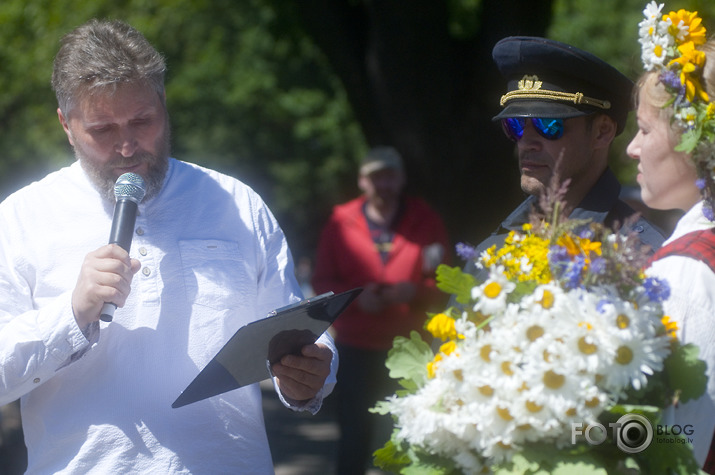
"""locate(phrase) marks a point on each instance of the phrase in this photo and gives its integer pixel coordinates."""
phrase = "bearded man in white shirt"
(96, 396)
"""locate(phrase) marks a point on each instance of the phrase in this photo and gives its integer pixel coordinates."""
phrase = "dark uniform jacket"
(601, 204)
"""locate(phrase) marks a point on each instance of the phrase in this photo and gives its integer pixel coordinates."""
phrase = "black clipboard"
(243, 359)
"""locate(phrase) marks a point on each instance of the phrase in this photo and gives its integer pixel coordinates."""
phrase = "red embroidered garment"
(699, 245)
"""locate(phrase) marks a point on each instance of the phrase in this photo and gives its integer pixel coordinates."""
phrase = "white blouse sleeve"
(692, 305)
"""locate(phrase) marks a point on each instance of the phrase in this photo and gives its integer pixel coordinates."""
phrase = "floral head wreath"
(669, 44)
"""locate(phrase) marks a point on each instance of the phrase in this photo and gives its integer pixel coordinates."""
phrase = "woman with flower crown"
(675, 146)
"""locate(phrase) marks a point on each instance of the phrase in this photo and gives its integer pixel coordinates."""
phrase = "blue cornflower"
(558, 260)
(672, 80)
(465, 251)
(573, 272)
(657, 290)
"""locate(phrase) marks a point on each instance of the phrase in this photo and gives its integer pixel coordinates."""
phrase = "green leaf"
(408, 359)
(688, 140)
(519, 465)
(548, 460)
(417, 469)
(381, 407)
(669, 455)
(522, 289)
(578, 468)
(390, 457)
(653, 413)
(686, 372)
(453, 281)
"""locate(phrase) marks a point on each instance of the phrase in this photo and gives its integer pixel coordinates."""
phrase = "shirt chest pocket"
(215, 274)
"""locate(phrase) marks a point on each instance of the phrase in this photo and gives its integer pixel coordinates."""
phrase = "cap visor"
(545, 109)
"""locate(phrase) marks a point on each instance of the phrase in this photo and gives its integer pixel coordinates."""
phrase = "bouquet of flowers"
(545, 366)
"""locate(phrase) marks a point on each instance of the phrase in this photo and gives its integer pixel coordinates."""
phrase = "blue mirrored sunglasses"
(551, 129)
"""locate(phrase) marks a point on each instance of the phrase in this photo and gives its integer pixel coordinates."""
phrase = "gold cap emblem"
(529, 87)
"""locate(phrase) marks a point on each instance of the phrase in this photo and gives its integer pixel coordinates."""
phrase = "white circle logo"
(634, 433)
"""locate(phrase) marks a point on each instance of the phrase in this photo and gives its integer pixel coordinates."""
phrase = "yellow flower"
(568, 242)
(696, 31)
(448, 348)
(576, 245)
(589, 246)
(691, 61)
(671, 327)
(432, 365)
(710, 111)
(442, 326)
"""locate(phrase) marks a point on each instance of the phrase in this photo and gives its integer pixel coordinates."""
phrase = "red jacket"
(346, 258)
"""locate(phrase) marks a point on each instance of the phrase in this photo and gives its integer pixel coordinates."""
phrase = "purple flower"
(558, 255)
(573, 272)
(586, 233)
(671, 80)
(465, 251)
(657, 290)
(708, 212)
(598, 266)
(559, 259)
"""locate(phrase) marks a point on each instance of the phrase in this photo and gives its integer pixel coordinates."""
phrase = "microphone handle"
(125, 215)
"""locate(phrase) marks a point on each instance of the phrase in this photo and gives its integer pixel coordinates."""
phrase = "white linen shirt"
(213, 258)
(692, 306)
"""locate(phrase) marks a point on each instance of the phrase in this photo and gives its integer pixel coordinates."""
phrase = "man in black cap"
(563, 109)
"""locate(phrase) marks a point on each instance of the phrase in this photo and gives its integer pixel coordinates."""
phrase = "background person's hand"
(370, 299)
(400, 292)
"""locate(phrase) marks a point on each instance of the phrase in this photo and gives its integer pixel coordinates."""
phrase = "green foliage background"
(608, 28)
(248, 92)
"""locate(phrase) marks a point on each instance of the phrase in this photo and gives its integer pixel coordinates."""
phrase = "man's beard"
(103, 179)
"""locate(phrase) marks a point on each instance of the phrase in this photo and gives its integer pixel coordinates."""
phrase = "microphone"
(129, 190)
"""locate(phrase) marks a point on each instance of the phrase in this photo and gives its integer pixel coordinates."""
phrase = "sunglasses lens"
(551, 129)
(513, 127)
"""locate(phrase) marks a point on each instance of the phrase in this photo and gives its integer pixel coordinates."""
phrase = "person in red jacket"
(390, 245)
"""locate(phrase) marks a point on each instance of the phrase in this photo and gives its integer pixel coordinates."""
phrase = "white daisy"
(634, 361)
(652, 11)
(491, 295)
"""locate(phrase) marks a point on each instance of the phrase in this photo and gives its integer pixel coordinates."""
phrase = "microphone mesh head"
(129, 186)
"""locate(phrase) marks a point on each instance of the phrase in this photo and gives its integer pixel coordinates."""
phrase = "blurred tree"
(288, 95)
(251, 94)
(248, 94)
(419, 76)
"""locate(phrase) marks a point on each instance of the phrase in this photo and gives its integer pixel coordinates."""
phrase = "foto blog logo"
(632, 433)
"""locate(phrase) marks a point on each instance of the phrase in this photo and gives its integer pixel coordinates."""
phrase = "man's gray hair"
(101, 55)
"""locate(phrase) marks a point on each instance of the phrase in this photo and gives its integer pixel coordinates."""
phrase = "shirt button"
(146, 271)
(140, 231)
(142, 251)
(36, 380)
